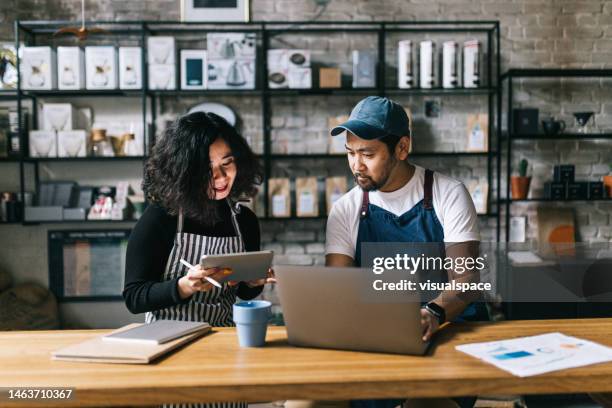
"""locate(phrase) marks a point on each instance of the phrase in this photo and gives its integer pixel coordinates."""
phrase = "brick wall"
(534, 33)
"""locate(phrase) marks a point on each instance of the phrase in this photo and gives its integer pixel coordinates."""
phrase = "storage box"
(57, 116)
(193, 69)
(130, 67)
(231, 45)
(43, 143)
(73, 214)
(427, 64)
(72, 143)
(38, 68)
(53, 213)
(578, 190)
(101, 67)
(330, 78)
(564, 173)
(231, 74)
(405, 61)
(298, 58)
(555, 190)
(161, 50)
(162, 77)
(70, 68)
(300, 78)
(525, 121)
(278, 68)
(364, 69)
(596, 190)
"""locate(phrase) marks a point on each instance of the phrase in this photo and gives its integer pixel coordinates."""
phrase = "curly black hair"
(178, 175)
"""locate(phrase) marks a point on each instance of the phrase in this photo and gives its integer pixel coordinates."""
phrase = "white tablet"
(246, 266)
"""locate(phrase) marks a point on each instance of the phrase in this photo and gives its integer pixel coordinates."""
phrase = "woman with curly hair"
(193, 180)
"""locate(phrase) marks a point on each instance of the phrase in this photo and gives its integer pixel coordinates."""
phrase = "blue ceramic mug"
(251, 320)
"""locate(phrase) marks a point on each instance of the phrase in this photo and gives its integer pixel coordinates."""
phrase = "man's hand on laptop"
(430, 324)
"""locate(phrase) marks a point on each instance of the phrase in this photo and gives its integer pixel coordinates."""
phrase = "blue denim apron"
(419, 224)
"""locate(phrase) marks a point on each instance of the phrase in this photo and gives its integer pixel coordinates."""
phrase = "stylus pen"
(211, 280)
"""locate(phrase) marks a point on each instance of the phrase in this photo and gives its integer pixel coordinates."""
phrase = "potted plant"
(607, 180)
(520, 184)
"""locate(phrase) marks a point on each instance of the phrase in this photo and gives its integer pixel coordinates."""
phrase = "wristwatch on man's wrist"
(436, 310)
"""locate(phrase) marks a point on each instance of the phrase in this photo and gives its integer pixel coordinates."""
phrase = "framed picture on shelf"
(215, 10)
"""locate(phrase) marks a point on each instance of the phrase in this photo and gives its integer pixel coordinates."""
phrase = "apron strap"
(179, 224)
(235, 210)
(427, 188)
(365, 202)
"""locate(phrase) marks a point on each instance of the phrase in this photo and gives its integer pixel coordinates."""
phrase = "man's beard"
(370, 184)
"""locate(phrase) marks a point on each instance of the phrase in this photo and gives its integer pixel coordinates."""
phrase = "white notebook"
(158, 332)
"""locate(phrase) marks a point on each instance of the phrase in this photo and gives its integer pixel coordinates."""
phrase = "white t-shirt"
(451, 201)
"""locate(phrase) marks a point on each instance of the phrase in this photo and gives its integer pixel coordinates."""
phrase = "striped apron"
(213, 306)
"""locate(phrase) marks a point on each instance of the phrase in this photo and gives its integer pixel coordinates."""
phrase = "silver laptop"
(337, 308)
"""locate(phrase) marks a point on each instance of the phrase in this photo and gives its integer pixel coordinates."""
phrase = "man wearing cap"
(396, 201)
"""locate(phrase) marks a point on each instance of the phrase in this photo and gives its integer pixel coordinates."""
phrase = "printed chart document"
(533, 355)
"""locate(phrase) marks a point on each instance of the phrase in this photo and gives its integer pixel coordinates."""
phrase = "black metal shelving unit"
(511, 136)
(33, 31)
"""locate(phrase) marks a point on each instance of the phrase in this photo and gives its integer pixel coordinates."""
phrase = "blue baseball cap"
(375, 117)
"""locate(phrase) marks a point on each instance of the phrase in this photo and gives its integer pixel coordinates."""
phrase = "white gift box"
(427, 64)
(43, 143)
(70, 68)
(161, 50)
(278, 68)
(364, 69)
(130, 67)
(300, 78)
(38, 68)
(231, 45)
(193, 69)
(405, 63)
(162, 76)
(298, 58)
(57, 116)
(72, 143)
(471, 64)
(231, 74)
(101, 67)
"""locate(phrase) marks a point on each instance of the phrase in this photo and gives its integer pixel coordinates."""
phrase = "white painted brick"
(294, 249)
(276, 247)
(293, 260)
(296, 236)
(315, 248)
(587, 231)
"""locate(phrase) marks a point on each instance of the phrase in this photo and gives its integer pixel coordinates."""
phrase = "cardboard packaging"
(335, 187)
(130, 67)
(57, 116)
(161, 50)
(231, 74)
(72, 143)
(70, 68)
(279, 196)
(101, 67)
(427, 52)
(364, 68)
(162, 77)
(450, 78)
(330, 78)
(555, 190)
(307, 197)
(298, 59)
(564, 173)
(278, 68)
(194, 74)
(231, 45)
(405, 63)
(471, 64)
(300, 78)
(43, 143)
(38, 68)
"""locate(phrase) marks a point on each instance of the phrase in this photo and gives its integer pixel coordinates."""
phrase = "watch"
(436, 310)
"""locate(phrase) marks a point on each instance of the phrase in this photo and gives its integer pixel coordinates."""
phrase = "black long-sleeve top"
(149, 247)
